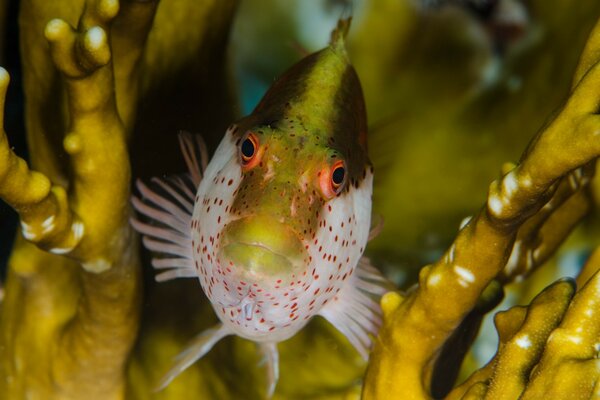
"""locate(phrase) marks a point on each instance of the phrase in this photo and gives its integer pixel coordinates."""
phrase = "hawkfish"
(275, 225)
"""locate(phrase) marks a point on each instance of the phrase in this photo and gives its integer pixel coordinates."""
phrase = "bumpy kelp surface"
(480, 112)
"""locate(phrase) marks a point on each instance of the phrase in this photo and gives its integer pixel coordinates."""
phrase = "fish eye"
(338, 175)
(249, 150)
(332, 179)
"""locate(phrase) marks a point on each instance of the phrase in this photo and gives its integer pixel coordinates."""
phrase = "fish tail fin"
(271, 357)
(197, 348)
(355, 311)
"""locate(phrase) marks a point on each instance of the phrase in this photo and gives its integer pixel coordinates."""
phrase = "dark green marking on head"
(323, 95)
(303, 156)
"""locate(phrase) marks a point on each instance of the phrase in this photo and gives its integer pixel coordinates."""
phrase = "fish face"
(289, 178)
(272, 198)
(283, 212)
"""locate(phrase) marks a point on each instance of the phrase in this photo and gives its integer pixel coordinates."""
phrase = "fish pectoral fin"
(271, 358)
(167, 210)
(164, 217)
(195, 155)
(197, 348)
(355, 310)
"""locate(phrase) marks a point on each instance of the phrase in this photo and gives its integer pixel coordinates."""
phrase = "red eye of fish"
(332, 179)
(249, 151)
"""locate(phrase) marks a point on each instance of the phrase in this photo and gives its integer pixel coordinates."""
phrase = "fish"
(274, 227)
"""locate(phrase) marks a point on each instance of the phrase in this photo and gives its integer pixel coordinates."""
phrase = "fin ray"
(271, 354)
(376, 228)
(166, 248)
(185, 200)
(195, 155)
(354, 312)
(163, 202)
(178, 182)
(162, 263)
(198, 347)
(165, 234)
(176, 273)
(160, 216)
(168, 206)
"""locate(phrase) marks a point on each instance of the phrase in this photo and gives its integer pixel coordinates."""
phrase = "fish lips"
(261, 249)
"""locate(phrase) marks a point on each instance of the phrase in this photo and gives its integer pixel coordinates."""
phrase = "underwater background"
(454, 90)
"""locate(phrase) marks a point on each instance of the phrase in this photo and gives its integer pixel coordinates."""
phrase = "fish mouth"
(261, 248)
(257, 260)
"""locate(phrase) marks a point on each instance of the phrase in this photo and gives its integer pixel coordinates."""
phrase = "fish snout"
(260, 248)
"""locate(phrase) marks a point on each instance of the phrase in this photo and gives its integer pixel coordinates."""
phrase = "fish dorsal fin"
(338, 35)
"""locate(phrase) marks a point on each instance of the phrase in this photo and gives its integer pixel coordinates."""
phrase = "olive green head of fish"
(303, 146)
